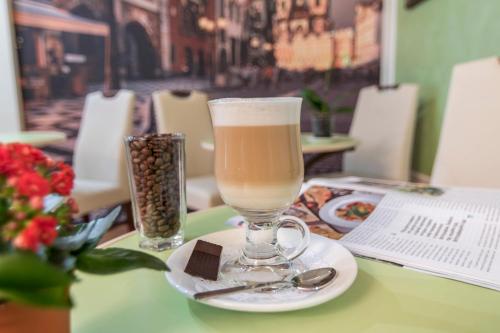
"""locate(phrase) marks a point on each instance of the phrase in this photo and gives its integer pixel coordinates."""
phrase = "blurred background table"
(35, 138)
(384, 298)
(321, 147)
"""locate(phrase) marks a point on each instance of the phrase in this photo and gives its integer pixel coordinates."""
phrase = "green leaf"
(51, 202)
(20, 271)
(4, 210)
(63, 259)
(101, 226)
(315, 101)
(87, 235)
(57, 297)
(116, 260)
(76, 238)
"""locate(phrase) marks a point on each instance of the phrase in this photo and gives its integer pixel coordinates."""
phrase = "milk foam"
(255, 111)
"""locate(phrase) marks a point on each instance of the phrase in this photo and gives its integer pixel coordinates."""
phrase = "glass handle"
(295, 223)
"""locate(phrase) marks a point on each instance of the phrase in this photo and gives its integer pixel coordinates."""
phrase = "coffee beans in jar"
(156, 174)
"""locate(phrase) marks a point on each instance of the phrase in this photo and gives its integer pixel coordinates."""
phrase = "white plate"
(322, 252)
(327, 212)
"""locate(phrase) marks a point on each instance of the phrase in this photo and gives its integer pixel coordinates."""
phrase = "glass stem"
(260, 241)
(261, 235)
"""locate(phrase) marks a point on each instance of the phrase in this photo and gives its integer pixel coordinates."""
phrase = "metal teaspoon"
(311, 280)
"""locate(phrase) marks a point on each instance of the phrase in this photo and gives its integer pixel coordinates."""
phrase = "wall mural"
(68, 48)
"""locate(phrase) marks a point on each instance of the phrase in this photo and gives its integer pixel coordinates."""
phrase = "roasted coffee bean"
(163, 228)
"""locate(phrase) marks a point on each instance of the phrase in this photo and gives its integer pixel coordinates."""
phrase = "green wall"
(432, 37)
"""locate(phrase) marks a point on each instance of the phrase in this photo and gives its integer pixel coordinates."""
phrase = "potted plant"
(321, 117)
(40, 246)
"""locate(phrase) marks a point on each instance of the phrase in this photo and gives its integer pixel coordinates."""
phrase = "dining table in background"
(35, 138)
(384, 298)
(321, 148)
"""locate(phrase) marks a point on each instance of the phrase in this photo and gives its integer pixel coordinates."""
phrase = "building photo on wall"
(242, 48)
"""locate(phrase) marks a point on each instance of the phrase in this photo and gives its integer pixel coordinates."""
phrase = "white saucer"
(322, 252)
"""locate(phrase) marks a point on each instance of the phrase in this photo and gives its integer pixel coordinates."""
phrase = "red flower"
(4, 158)
(31, 184)
(40, 230)
(7, 165)
(27, 177)
(30, 155)
(20, 216)
(15, 158)
(27, 239)
(12, 181)
(61, 181)
(72, 205)
(36, 202)
(47, 228)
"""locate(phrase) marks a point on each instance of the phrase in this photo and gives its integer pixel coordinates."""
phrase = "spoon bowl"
(314, 279)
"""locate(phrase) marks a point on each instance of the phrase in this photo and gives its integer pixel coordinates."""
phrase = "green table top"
(35, 138)
(310, 144)
(384, 298)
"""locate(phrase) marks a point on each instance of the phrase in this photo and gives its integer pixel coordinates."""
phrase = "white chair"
(189, 115)
(99, 159)
(467, 153)
(384, 123)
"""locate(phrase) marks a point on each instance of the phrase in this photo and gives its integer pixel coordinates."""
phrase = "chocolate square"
(204, 261)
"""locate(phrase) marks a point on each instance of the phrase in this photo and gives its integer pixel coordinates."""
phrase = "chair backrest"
(189, 115)
(467, 154)
(99, 152)
(384, 122)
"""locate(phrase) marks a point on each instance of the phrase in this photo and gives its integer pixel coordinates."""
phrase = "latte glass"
(259, 171)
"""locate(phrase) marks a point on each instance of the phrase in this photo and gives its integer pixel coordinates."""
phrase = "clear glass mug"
(259, 170)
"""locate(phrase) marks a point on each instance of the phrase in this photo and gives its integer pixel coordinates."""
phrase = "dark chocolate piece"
(204, 261)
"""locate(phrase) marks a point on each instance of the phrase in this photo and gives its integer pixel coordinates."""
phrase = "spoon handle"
(231, 290)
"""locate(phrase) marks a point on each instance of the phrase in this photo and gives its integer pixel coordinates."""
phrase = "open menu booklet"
(449, 232)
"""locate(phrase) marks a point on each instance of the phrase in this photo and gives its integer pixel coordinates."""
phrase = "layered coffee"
(258, 157)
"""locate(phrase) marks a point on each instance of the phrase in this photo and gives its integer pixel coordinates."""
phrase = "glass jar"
(157, 183)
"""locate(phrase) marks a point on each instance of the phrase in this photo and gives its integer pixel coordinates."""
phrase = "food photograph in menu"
(334, 212)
